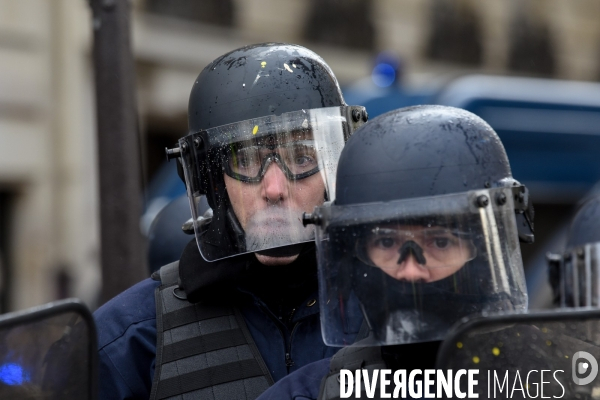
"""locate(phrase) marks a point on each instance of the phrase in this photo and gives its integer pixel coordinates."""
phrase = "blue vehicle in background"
(550, 129)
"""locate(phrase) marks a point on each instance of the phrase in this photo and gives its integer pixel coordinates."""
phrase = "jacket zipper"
(288, 356)
(291, 315)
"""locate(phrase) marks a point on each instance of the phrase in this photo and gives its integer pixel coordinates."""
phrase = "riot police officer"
(238, 310)
(575, 273)
(424, 231)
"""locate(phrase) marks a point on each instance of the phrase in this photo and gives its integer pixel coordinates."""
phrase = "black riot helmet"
(267, 123)
(575, 273)
(423, 230)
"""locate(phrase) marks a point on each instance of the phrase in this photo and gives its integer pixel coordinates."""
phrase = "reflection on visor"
(297, 160)
(390, 248)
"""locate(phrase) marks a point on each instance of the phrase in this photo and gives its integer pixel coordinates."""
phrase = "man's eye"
(304, 160)
(243, 161)
(385, 242)
(304, 155)
(441, 243)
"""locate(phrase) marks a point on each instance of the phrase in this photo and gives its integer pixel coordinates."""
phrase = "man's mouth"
(275, 228)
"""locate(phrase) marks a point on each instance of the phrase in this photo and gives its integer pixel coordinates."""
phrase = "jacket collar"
(201, 279)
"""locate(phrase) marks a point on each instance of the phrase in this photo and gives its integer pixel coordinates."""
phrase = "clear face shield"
(261, 175)
(415, 267)
(578, 274)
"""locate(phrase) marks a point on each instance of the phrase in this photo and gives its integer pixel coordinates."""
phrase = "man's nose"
(274, 184)
(410, 270)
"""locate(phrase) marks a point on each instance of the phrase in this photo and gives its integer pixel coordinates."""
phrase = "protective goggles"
(389, 246)
(249, 163)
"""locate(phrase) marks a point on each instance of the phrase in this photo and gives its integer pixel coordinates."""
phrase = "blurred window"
(455, 33)
(345, 23)
(530, 46)
(216, 12)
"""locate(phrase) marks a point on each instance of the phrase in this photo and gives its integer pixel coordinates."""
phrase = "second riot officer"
(424, 231)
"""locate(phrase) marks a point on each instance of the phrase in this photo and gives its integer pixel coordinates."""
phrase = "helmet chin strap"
(411, 247)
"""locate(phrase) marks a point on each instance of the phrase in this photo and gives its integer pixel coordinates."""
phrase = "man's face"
(270, 211)
(418, 253)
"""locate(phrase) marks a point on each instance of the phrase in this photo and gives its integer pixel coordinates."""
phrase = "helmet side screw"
(197, 142)
(310, 219)
(483, 201)
(172, 153)
(501, 199)
(365, 115)
(356, 115)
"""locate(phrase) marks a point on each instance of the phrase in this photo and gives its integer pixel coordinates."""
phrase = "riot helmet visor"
(415, 267)
(272, 170)
(580, 276)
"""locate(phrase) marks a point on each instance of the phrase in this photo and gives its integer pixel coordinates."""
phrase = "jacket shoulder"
(128, 309)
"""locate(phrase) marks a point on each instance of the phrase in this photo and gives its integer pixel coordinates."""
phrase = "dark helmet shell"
(260, 80)
(418, 152)
(585, 227)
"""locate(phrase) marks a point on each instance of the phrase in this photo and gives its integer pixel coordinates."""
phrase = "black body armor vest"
(203, 350)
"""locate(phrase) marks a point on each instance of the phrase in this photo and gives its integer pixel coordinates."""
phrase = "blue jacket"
(127, 337)
(303, 384)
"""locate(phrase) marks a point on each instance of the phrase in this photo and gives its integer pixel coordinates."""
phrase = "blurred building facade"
(49, 219)
(48, 228)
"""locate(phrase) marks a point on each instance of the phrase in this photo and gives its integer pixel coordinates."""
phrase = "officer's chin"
(272, 261)
(279, 255)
